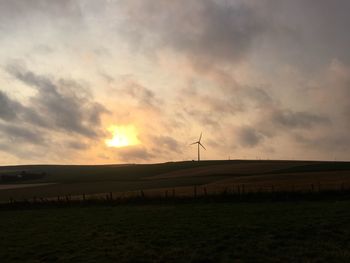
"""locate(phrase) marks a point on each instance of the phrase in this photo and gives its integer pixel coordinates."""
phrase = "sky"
(137, 81)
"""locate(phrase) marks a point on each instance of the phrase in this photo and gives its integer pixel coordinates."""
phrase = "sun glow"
(122, 136)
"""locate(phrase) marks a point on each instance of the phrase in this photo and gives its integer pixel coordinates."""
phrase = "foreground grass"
(196, 231)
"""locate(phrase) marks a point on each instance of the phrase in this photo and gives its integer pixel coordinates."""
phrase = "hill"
(60, 180)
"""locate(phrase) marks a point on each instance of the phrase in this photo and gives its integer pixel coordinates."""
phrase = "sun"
(122, 136)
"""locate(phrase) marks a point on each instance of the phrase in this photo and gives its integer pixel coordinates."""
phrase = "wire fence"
(227, 192)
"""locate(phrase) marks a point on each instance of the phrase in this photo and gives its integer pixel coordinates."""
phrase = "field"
(195, 231)
(157, 179)
(212, 211)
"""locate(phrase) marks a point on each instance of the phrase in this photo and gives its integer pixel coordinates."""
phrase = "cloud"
(76, 145)
(145, 97)
(322, 30)
(63, 104)
(292, 119)
(205, 31)
(249, 137)
(166, 143)
(258, 96)
(58, 108)
(203, 117)
(275, 70)
(17, 13)
(8, 107)
(19, 134)
(334, 144)
(218, 33)
(153, 147)
(134, 154)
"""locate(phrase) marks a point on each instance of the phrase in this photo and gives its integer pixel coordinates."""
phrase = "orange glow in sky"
(122, 136)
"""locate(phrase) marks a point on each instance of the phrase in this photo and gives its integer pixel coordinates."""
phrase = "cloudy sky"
(136, 81)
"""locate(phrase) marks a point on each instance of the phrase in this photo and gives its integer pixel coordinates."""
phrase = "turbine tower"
(199, 144)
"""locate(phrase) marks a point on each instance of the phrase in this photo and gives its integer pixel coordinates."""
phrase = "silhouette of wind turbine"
(199, 144)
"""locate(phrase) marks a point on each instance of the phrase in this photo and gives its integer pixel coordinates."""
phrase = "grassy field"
(195, 231)
(271, 226)
(182, 176)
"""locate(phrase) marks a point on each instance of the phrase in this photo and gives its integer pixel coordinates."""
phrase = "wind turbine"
(199, 144)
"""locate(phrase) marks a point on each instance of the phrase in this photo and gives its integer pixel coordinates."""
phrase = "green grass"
(189, 232)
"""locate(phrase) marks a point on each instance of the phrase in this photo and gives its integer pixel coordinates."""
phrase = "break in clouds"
(261, 79)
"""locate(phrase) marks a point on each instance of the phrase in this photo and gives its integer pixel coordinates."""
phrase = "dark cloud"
(109, 79)
(205, 31)
(57, 108)
(24, 151)
(203, 117)
(145, 97)
(229, 98)
(14, 134)
(29, 12)
(212, 32)
(12, 111)
(330, 143)
(209, 107)
(291, 119)
(302, 34)
(8, 107)
(42, 49)
(278, 122)
(322, 29)
(76, 145)
(258, 96)
(249, 137)
(63, 104)
(166, 143)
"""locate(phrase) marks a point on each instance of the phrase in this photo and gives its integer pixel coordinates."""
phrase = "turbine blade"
(202, 146)
(193, 143)
(200, 137)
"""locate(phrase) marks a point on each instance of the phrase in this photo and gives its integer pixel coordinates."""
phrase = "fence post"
(225, 191)
(205, 191)
(173, 192)
(83, 197)
(243, 189)
(166, 194)
(195, 191)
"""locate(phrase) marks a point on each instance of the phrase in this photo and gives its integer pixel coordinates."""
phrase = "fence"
(231, 192)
